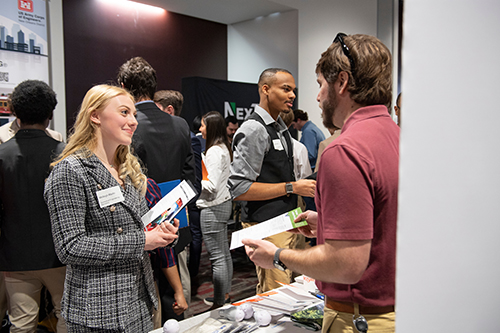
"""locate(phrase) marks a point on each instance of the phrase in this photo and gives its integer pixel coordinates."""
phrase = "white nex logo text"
(240, 113)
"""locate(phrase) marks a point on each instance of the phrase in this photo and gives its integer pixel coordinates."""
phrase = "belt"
(349, 307)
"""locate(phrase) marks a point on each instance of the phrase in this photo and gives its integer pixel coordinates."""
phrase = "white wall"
(57, 77)
(318, 26)
(448, 272)
(318, 23)
(265, 42)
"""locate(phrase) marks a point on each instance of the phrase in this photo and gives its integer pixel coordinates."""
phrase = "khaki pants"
(157, 312)
(341, 322)
(23, 292)
(268, 277)
(182, 259)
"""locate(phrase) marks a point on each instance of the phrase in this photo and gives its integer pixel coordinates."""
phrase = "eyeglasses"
(340, 38)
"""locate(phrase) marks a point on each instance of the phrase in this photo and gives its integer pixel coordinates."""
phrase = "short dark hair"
(398, 98)
(372, 83)
(170, 97)
(33, 102)
(268, 76)
(231, 119)
(138, 77)
(197, 124)
(299, 114)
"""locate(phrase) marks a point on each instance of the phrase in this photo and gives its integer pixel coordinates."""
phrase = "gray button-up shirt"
(251, 142)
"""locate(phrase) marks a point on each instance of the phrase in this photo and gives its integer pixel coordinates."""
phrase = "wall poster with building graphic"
(23, 44)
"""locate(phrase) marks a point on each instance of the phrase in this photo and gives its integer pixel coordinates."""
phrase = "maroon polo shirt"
(357, 198)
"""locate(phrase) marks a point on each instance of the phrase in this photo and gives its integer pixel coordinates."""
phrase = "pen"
(318, 295)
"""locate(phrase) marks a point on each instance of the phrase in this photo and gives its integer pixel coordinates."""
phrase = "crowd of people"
(71, 212)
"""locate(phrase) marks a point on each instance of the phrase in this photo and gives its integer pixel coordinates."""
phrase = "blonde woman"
(95, 196)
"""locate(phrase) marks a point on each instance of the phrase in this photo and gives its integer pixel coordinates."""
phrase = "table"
(278, 324)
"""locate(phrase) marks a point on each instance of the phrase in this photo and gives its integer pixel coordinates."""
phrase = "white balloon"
(236, 315)
(262, 317)
(248, 309)
(232, 313)
(171, 326)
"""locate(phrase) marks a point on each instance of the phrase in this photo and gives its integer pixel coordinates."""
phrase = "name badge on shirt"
(110, 196)
(277, 144)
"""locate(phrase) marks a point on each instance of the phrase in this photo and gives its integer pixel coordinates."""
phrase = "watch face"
(289, 188)
(279, 265)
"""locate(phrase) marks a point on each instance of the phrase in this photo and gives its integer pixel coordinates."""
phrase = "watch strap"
(277, 262)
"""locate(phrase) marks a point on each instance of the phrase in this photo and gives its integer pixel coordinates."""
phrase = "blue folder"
(167, 187)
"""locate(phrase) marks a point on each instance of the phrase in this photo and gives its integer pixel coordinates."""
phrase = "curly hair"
(83, 139)
(300, 114)
(138, 77)
(372, 82)
(33, 102)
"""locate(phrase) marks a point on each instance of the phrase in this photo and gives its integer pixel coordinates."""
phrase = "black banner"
(202, 95)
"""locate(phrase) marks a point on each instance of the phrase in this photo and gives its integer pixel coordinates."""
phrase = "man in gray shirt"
(262, 175)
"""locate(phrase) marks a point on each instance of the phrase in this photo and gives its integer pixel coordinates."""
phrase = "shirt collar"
(306, 125)
(278, 123)
(142, 102)
(365, 112)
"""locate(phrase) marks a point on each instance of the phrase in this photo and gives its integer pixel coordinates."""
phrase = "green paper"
(293, 215)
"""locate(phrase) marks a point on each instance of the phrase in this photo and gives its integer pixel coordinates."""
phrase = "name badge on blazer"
(109, 196)
(277, 144)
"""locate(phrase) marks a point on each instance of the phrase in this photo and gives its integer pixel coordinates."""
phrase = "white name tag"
(277, 144)
(109, 196)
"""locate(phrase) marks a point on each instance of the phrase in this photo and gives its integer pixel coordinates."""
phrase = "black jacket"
(26, 237)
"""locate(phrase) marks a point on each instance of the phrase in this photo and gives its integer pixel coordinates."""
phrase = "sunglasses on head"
(340, 38)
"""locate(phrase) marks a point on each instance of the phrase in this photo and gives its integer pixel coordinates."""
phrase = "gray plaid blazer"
(103, 248)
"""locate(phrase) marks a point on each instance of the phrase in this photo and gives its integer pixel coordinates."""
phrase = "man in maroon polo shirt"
(356, 194)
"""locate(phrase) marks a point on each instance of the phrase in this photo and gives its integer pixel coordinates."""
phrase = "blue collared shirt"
(311, 137)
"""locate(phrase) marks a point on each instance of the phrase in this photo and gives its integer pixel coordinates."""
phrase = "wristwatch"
(289, 188)
(277, 262)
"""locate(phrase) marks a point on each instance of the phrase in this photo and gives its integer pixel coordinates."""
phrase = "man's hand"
(261, 252)
(310, 229)
(161, 235)
(180, 305)
(305, 187)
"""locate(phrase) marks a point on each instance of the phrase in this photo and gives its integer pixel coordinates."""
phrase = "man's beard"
(328, 107)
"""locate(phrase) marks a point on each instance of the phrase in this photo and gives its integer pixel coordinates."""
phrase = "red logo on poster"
(26, 5)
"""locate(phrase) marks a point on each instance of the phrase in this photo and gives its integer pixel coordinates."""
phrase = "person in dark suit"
(95, 195)
(171, 101)
(27, 257)
(163, 144)
(161, 141)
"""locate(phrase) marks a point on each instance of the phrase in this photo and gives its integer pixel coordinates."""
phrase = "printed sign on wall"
(23, 43)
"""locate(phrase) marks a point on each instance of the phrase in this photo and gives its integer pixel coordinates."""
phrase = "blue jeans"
(214, 228)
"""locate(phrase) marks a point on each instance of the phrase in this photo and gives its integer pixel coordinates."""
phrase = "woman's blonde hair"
(83, 139)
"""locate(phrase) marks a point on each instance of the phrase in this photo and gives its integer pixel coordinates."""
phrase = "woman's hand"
(180, 305)
(161, 235)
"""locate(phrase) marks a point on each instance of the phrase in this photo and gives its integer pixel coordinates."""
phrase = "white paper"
(268, 228)
(171, 204)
